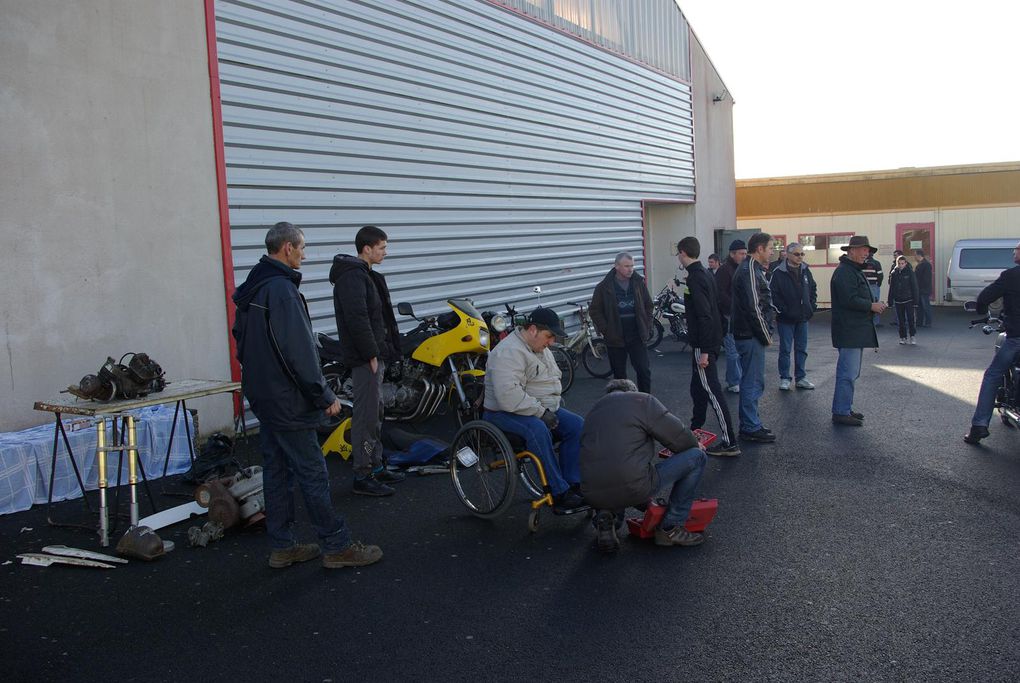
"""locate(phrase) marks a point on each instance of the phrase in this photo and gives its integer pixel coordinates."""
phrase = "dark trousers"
(638, 352)
(905, 317)
(705, 389)
(366, 422)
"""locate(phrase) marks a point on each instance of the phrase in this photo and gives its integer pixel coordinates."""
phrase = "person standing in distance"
(925, 283)
(724, 285)
(705, 331)
(713, 264)
(751, 325)
(1007, 288)
(368, 340)
(852, 327)
(874, 275)
(621, 309)
(795, 298)
(282, 380)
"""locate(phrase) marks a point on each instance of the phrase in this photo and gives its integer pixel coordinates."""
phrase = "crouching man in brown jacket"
(620, 467)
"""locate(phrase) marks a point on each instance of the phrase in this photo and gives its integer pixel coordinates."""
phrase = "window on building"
(823, 249)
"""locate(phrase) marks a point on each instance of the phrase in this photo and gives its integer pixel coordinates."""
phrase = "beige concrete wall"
(108, 196)
(665, 225)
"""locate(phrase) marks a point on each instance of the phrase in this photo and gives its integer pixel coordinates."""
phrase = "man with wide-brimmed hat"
(852, 329)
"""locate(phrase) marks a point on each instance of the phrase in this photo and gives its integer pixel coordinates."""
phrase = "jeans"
(681, 471)
(366, 422)
(924, 311)
(793, 335)
(538, 439)
(638, 352)
(992, 380)
(875, 289)
(905, 318)
(290, 457)
(848, 369)
(732, 361)
(752, 382)
(705, 389)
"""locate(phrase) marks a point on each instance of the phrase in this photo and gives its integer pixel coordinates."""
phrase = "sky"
(822, 86)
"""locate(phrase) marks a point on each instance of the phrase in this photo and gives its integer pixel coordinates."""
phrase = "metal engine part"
(140, 377)
(202, 536)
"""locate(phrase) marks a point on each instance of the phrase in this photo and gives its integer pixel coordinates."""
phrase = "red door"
(912, 236)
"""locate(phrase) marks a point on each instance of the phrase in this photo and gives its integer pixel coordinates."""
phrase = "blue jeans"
(848, 369)
(560, 474)
(792, 335)
(993, 380)
(290, 457)
(924, 311)
(732, 361)
(682, 471)
(875, 292)
(752, 382)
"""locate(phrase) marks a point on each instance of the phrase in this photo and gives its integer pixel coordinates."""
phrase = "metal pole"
(104, 522)
(132, 453)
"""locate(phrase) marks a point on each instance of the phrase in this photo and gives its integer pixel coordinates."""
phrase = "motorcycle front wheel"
(595, 359)
(655, 336)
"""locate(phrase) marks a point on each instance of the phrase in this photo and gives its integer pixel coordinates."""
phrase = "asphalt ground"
(886, 552)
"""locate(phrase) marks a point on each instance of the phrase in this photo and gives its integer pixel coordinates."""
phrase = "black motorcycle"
(1007, 398)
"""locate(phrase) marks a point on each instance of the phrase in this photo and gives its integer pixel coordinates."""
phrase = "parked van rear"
(975, 264)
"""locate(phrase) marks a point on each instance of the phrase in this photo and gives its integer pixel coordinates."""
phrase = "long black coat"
(853, 324)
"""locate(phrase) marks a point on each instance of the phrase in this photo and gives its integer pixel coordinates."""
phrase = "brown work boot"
(678, 535)
(357, 554)
(299, 552)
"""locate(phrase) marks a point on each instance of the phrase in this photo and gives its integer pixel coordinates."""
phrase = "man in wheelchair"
(620, 467)
(522, 397)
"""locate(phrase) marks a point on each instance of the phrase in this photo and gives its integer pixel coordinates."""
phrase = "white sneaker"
(912, 341)
(735, 389)
(784, 385)
(903, 340)
(804, 384)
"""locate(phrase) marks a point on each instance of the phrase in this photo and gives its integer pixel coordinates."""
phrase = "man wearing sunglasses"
(795, 298)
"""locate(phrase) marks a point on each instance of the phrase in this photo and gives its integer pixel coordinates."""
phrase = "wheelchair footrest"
(571, 511)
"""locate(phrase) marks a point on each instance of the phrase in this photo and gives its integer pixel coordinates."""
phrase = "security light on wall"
(719, 97)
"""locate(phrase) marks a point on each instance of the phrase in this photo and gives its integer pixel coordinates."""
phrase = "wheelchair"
(486, 466)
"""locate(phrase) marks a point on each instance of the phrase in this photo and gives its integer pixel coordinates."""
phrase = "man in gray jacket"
(620, 467)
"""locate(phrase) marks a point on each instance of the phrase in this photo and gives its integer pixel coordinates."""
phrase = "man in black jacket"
(705, 331)
(724, 285)
(873, 274)
(284, 385)
(924, 288)
(795, 298)
(621, 309)
(1006, 287)
(751, 325)
(368, 338)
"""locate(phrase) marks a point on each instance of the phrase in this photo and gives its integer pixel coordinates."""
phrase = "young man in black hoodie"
(751, 320)
(284, 385)
(368, 339)
(705, 330)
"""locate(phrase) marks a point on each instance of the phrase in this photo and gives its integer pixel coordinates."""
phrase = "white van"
(975, 264)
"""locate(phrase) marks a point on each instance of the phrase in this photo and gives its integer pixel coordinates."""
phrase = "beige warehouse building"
(928, 208)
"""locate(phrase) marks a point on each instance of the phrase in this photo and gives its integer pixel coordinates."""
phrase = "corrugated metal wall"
(497, 153)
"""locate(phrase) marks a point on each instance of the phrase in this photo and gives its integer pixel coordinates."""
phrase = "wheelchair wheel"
(483, 468)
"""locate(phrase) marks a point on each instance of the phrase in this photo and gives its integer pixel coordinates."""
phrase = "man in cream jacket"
(522, 397)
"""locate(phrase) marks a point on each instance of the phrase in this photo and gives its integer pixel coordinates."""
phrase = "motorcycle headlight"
(483, 337)
(499, 323)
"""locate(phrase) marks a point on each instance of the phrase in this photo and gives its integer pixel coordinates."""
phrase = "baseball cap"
(547, 317)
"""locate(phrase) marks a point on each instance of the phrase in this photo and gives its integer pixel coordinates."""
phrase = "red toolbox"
(704, 438)
(702, 513)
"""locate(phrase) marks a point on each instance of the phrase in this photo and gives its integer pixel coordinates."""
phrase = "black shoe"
(975, 434)
(606, 539)
(848, 420)
(568, 500)
(859, 416)
(370, 486)
(387, 477)
(761, 436)
(723, 450)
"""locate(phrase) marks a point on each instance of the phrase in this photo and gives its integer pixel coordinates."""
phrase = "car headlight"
(499, 322)
(483, 337)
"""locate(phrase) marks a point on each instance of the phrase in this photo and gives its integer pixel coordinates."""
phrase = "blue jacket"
(795, 300)
(280, 372)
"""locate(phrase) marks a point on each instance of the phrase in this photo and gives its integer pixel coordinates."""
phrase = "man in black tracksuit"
(368, 339)
(705, 330)
(751, 322)
(283, 383)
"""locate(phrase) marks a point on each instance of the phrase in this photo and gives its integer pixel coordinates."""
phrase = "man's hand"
(550, 420)
(878, 307)
(334, 409)
(374, 364)
(703, 360)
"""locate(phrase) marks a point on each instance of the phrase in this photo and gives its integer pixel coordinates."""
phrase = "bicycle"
(587, 344)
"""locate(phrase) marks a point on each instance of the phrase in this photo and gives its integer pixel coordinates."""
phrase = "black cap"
(546, 317)
(737, 245)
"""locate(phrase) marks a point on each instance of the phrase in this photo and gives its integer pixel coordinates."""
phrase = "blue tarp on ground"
(25, 457)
